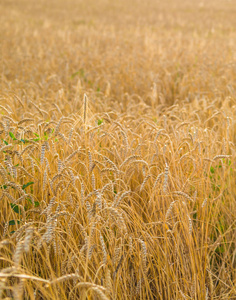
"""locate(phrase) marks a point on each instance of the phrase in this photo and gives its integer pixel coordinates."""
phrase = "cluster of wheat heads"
(117, 149)
(118, 206)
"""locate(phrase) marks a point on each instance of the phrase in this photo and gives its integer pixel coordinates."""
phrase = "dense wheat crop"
(117, 149)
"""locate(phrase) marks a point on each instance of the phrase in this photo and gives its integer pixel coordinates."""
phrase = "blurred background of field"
(186, 47)
(123, 112)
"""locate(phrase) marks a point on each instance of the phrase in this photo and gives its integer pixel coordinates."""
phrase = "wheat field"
(117, 149)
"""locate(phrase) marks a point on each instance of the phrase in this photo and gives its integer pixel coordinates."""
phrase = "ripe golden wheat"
(117, 150)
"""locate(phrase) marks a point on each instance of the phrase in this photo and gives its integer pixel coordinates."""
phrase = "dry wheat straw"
(180, 193)
(10, 197)
(58, 126)
(117, 217)
(128, 159)
(169, 211)
(206, 297)
(204, 202)
(99, 293)
(15, 186)
(157, 180)
(43, 149)
(157, 135)
(28, 148)
(108, 170)
(221, 156)
(93, 182)
(98, 200)
(116, 254)
(112, 164)
(49, 207)
(139, 161)
(70, 135)
(28, 237)
(71, 156)
(144, 182)
(195, 196)
(6, 147)
(25, 120)
(183, 295)
(139, 286)
(85, 108)
(14, 171)
(16, 235)
(130, 245)
(89, 285)
(118, 267)
(66, 277)
(190, 225)
(2, 287)
(19, 290)
(108, 186)
(62, 136)
(3, 173)
(165, 183)
(90, 252)
(44, 179)
(118, 200)
(18, 253)
(108, 282)
(85, 246)
(9, 166)
(6, 226)
(144, 256)
(104, 252)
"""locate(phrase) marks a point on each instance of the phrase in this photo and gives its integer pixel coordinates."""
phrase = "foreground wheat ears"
(97, 211)
(117, 150)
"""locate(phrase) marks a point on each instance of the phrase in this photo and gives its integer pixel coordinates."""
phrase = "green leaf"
(212, 170)
(12, 136)
(220, 249)
(36, 140)
(13, 222)
(24, 141)
(36, 203)
(36, 134)
(74, 74)
(15, 208)
(100, 121)
(81, 73)
(4, 186)
(5, 142)
(46, 137)
(27, 184)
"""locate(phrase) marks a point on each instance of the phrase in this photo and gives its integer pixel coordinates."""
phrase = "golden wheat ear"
(85, 107)
(82, 114)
